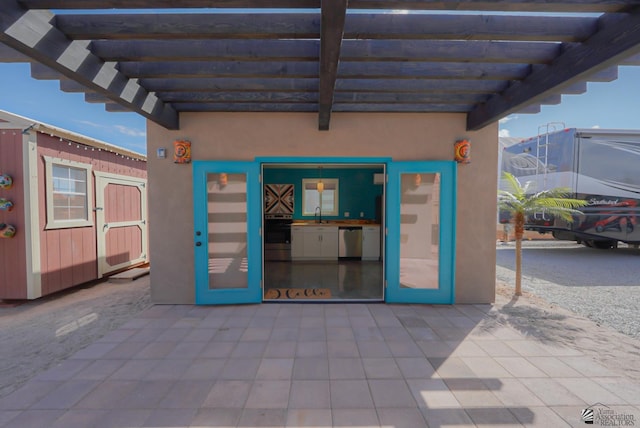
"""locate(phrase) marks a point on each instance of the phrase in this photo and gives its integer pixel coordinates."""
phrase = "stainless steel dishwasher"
(350, 244)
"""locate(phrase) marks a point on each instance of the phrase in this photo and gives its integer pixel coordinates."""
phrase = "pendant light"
(320, 184)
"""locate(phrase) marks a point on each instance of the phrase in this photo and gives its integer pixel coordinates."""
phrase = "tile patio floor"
(320, 365)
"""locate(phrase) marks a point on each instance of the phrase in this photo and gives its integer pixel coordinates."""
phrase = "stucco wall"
(244, 136)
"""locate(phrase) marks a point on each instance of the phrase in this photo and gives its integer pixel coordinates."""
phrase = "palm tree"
(521, 201)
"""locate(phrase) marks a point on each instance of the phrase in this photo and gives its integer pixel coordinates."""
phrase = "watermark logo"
(601, 415)
(587, 415)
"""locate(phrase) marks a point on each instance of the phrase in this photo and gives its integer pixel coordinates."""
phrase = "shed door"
(421, 199)
(121, 221)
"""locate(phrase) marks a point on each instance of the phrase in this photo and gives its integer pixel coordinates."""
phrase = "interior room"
(322, 237)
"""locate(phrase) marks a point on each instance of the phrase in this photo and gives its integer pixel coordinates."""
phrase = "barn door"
(121, 221)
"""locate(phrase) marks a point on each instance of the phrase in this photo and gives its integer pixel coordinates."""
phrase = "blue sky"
(610, 105)
(604, 105)
(42, 100)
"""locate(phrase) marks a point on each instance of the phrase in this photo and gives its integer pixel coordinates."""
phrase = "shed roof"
(480, 57)
(26, 124)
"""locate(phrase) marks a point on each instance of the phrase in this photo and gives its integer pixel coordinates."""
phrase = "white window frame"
(52, 223)
(328, 183)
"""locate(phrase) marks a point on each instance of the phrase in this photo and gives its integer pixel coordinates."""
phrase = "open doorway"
(323, 236)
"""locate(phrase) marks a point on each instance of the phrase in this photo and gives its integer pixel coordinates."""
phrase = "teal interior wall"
(356, 193)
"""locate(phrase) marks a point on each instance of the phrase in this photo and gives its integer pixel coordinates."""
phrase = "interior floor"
(345, 279)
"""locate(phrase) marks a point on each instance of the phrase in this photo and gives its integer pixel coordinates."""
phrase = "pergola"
(484, 58)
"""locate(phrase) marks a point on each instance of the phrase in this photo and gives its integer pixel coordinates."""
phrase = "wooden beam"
(420, 85)
(67, 85)
(307, 26)
(474, 5)
(239, 97)
(190, 26)
(31, 33)
(230, 84)
(206, 50)
(309, 50)
(554, 99)
(403, 108)
(8, 54)
(307, 69)
(42, 72)
(632, 60)
(575, 89)
(115, 108)
(92, 97)
(407, 98)
(247, 107)
(219, 69)
(608, 74)
(530, 109)
(609, 46)
(168, 4)
(310, 97)
(449, 51)
(435, 70)
(469, 27)
(332, 27)
(338, 107)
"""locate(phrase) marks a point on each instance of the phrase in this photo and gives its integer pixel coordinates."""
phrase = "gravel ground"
(38, 334)
(602, 285)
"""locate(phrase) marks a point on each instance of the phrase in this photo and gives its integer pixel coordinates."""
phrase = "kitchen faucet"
(318, 210)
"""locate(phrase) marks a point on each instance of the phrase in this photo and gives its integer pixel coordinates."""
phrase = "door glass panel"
(419, 230)
(227, 221)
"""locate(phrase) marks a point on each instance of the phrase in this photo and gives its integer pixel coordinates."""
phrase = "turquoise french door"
(421, 220)
(228, 257)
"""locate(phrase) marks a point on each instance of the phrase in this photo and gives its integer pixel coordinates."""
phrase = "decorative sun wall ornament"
(462, 151)
(182, 151)
(5, 181)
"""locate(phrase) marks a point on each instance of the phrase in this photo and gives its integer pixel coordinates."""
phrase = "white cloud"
(87, 122)
(130, 131)
(504, 133)
(507, 119)
(595, 127)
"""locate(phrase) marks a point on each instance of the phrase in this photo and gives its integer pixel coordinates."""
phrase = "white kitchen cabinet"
(371, 242)
(297, 242)
(314, 242)
(329, 247)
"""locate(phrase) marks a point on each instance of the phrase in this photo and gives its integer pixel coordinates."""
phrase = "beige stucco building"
(298, 109)
(247, 136)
